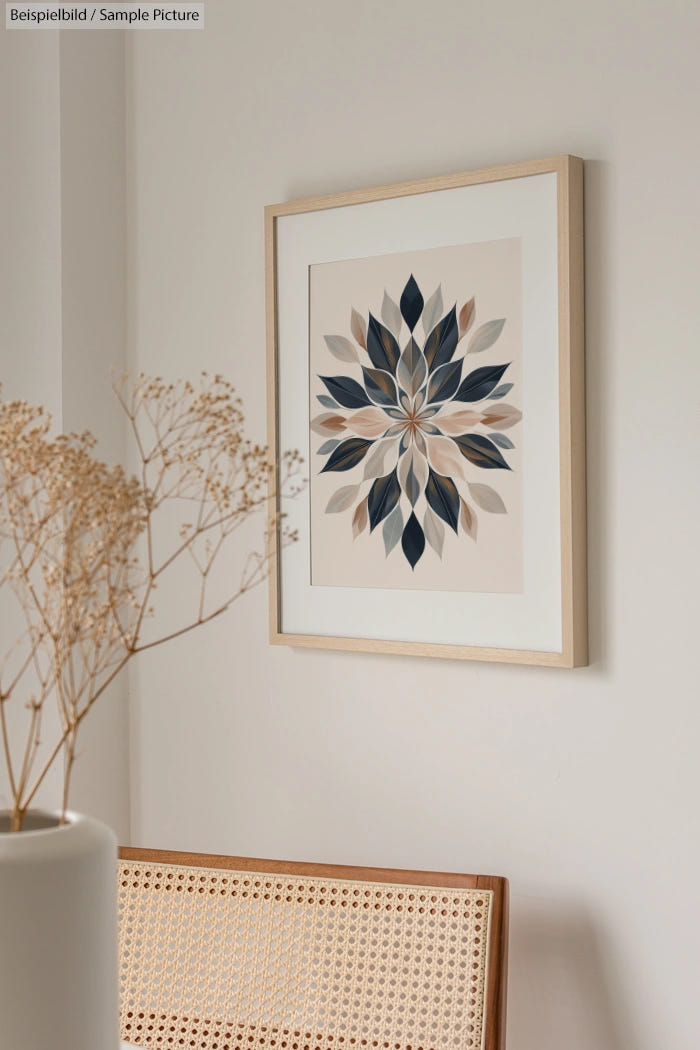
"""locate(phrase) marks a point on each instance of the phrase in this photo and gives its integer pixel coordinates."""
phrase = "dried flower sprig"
(83, 548)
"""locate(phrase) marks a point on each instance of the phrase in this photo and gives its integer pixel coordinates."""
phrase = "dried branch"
(85, 545)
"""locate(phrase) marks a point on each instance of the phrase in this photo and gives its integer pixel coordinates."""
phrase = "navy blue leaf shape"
(442, 341)
(441, 494)
(411, 303)
(380, 386)
(326, 401)
(480, 451)
(413, 541)
(347, 392)
(383, 497)
(382, 347)
(479, 383)
(348, 454)
(444, 381)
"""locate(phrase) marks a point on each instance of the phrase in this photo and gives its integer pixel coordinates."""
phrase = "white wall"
(580, 786)
(30, 268)
(93, 281)
(62, 306)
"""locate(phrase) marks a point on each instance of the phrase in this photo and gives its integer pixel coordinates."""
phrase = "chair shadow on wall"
(559, 989)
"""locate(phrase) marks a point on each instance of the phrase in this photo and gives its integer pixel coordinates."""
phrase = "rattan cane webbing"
(238, 960)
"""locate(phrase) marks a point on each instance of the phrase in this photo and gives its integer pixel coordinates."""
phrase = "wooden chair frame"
(496, 963)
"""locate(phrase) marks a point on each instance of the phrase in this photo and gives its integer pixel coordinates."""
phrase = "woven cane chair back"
(222, 953)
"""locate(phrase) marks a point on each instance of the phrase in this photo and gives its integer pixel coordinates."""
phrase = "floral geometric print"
(413, 425)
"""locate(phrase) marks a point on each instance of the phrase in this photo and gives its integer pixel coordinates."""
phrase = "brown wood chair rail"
(228, 953)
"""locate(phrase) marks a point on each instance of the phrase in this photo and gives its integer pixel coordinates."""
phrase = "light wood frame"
(571, 409)
(495, 997)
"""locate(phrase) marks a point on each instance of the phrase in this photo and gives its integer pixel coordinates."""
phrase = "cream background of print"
(221, 959)
(491, 273)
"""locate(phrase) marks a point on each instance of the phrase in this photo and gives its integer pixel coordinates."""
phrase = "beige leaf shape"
(328, 424)
(420, 443)
(445, 457)
(376, 464)
(341, 348)
(359, 518)
(468, 519)
(488, 499)
(342, 499)
(358, 328)
(432, 311)
(420, 469)
(434, 531)
(501, 416)
(466, 318)
(368, 422)
(459, 422)
(391, 315)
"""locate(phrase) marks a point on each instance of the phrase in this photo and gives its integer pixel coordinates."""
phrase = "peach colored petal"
(468, 519)
(359, 519)
(445, 457)
(368, 422)
(501, 416)
(328, 424)
(458, 422)
(466, 316)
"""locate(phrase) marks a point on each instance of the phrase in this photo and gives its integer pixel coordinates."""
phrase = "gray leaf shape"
(412, 368)
(405, 402)
(392, 530)
(432, 311)
(391, 315)
(327, 447)
(485, 336)
(342, 499)
(434, 531)
(377, 460)
(341, 348)
(327, 402)
(501, 440)
(488, 499)
(500, 391)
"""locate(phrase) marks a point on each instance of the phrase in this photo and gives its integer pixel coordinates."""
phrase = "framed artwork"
(425, 355)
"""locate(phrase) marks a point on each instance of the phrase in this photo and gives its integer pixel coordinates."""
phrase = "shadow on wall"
(559, 991)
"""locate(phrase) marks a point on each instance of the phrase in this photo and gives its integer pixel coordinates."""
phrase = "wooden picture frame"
(417, 554)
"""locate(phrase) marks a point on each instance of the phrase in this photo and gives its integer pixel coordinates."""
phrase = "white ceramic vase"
(58, 934)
